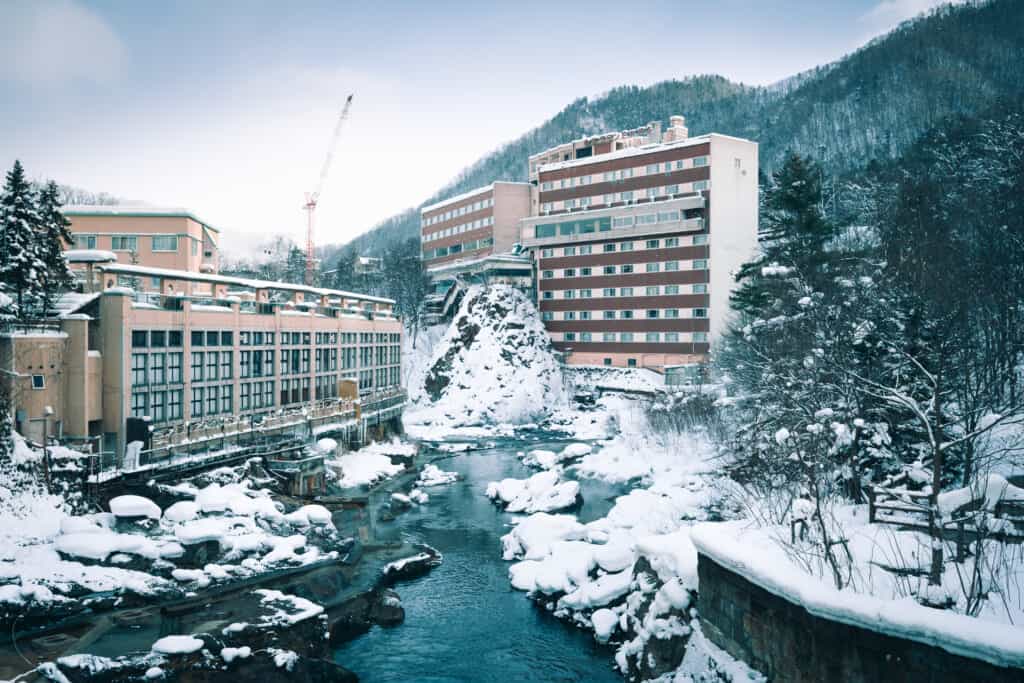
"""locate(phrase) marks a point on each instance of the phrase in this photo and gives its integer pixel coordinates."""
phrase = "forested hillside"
(869, 105)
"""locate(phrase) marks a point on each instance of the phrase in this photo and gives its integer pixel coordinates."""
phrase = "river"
(463, 621)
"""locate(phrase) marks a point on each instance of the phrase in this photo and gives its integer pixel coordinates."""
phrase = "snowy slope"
(494, 365)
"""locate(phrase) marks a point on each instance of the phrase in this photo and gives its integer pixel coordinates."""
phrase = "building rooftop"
(131, 210)
(469, 193)
(189, 276)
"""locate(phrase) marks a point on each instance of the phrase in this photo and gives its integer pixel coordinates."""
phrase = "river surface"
(463, 621)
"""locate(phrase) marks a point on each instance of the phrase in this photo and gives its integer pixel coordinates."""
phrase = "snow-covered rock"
(134, 506)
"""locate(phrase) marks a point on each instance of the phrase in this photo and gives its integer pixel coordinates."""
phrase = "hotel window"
(570, 336)
(174, 368)
(547, 253)
(586, 271)
(174, 405)
(626, 246)
(197, 338)
(586, 249)
(225, 398)
(569, 272)
(626, 315)
(700, 185)
(652, 168)
(225, 365)
(548, 295)
(653, 336)
(608, 337)
(671, 242)
(212, 397)
(157, 368)
(570, 203)
(653, 267)
(700, 336)
(672, 189)
(547, 315)
(607, 361)
(671, 265)
(569, 315)
(227, 338)
(165, 243)
(609, 315)
(85, 241)
(586, 336)
(585, 294)
(609, 198)
(626, 268)
(138, 369)
(700, 239)
(584, 202)
(157, 408)
(139, 404)
(548, 274)
(626, 196)
(139, 338)
(546, 185)
(197, 402)
(700, 289)
(123, 243)
(652, 291)
(652, 313)
(608, 291)
(627, 173)
(672, 337)
(647, 219)
(609, 176)
(246, 363)
(609, 270)
(668, 216)
(174, 338)
(652, 192)
(584, 180)
(245, 394)
(622, 221)
(700, 161)
(626, 336)
(569, 294)
(653, 244)
(584, 315)
(158, 339)
(211, 365)
(609, 248)
(626, 291)
(671, 312)
(569, 251)
(671, 289)
(700, 313)
(700, 264)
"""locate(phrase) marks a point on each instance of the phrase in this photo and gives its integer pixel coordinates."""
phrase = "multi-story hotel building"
(159, 238)
(635, 237)
(202, 357)
(474, 224)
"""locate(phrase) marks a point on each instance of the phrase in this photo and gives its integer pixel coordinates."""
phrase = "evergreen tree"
(21, 267)
(793, 236)
(55, 235)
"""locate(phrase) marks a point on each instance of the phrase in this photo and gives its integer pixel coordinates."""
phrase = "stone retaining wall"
(785, 642)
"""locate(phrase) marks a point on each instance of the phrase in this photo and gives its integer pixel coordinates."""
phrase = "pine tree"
(21, 267)
(55, 235)
(793, 236)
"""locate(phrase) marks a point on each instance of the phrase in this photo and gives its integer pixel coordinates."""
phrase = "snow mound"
(494, 365)
(134, 506)
(543, 492)
(177, 645)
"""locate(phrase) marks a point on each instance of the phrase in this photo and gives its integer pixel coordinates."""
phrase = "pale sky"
(226, 108)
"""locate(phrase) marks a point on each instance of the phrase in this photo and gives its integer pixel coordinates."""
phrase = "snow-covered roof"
(190, 276)
(132, 210)
(636, 151)
(457, 198)
(493, 258)
(89, 256)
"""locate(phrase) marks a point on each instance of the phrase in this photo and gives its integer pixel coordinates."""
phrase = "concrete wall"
(511, 205)
(785, 642)
(732, 220)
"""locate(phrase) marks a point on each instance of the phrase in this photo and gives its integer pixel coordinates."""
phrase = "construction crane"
(313, 197)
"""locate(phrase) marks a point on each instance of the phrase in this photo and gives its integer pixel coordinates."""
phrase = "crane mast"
(313, 197)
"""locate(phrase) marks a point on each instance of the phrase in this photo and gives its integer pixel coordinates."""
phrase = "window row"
(609, 292)
(156, 368)
(459, 229)
(627, 337)
(628, 245)
(131, 242)
(256, 395)
(627, 314)
(625, 173)
(159, 406)
(626, 196)
(457, 248)
(626, 268)
(461, 211)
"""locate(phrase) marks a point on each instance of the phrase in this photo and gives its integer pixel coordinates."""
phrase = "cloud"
(888, 13)
(55, 42)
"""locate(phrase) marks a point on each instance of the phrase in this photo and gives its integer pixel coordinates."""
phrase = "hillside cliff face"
(869, 105)
(495, 364)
